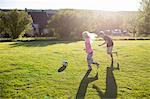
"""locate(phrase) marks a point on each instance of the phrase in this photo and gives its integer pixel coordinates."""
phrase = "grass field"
(30, 70)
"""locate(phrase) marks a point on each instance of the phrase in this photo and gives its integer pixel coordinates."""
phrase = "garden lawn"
(30, 70)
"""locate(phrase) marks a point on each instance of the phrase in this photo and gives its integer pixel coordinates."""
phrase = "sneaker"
(94, 86)
(97, 64)
(116, 53)
(118, 66)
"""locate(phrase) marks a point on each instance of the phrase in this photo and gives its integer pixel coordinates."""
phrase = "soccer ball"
(65, 63)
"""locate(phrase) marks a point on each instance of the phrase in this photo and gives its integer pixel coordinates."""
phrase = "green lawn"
(30, 70)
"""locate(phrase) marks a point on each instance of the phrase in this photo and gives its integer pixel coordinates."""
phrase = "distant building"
(119, 32)
(116, 32)
(40, 20)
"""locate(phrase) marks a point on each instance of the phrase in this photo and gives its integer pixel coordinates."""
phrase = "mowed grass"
(30, 70)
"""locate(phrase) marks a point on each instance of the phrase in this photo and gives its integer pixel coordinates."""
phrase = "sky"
(106, 5)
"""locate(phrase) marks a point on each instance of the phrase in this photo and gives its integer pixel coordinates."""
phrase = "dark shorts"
(109, 44)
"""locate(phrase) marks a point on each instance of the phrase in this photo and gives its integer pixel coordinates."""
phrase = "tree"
(144, 18)
(69, 24)
(1, 23)
(60, 24)
(65, 23)
(16, 22)
(130, 23)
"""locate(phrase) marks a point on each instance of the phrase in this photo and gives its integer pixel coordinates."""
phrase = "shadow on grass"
(114, 68)
(61, 69)
(84, 84)
(38, 43)
(111, 85)
(10, 70)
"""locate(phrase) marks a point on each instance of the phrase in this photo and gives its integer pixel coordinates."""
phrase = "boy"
(108, 42)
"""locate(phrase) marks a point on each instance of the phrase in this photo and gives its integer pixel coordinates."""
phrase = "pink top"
(88, 45)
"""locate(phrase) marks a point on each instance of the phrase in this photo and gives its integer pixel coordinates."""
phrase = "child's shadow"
(114, 68)
(84, 84)
(111, 86)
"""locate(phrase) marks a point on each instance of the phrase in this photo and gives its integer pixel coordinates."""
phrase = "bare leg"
(115, 52)
(97, 64)
(111, 55)
(89, 67)
(110, 52)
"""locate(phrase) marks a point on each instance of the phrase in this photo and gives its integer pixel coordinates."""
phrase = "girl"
(88, 37)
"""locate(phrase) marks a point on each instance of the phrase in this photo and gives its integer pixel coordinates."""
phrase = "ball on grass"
(65, 63)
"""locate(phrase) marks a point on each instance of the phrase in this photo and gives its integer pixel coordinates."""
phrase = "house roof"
(39, 18)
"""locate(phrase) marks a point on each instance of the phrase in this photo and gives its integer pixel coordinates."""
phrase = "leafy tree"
(1, 23)
(69, 24)
(130, 23)
(64, 23)
(144, 18)
(16, 22)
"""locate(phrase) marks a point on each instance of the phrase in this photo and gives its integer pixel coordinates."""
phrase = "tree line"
(70, 23)
(15, 23)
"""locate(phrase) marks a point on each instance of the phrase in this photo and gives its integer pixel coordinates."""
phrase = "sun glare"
(108, 5)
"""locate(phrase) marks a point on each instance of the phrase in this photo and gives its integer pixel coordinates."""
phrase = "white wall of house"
(45, 31)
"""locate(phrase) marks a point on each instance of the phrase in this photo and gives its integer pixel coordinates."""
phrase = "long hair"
(91, 36)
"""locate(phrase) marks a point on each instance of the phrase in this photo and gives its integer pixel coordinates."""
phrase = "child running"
(89, 50)
(108, 42)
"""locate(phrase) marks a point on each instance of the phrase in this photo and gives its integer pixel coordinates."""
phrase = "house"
(116, 32)
(119, 32)
(40, 21)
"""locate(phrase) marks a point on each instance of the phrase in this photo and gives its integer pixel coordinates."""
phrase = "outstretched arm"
(102, 44)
